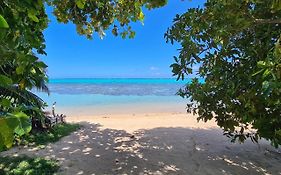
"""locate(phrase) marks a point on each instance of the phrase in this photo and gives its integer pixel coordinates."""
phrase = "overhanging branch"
(268, 21)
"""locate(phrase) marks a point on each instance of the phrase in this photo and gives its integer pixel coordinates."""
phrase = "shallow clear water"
(101, 95)
(116, 87)
(117, 80)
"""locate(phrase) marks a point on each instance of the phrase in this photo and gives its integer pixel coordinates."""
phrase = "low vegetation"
(27, 166)
(24, 165)
(53, 135)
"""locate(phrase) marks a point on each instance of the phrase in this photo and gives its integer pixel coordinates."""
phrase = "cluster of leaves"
(97, 16)
(21, 28)
(237, 48)
(21, 41)
(27, 165)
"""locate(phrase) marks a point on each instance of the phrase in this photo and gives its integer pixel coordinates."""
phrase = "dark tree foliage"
(22, 23)
(236, 45)
(21, 27)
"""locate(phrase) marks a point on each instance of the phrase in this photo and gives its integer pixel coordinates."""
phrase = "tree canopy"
(235, 44)
(21, 42)
(237, 47)
(97, 16)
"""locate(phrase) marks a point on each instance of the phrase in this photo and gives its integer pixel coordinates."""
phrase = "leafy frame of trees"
(237, 47)
(235, 43)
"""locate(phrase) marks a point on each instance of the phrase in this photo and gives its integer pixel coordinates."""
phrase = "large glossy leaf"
(10, 124)
(24, 124)
(6, 132)
(3, 22)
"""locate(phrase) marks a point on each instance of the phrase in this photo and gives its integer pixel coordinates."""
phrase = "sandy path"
(161, 144)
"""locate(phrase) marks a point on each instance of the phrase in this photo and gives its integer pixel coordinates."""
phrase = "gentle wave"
(117, 81)
(117, 86)
(95, 96)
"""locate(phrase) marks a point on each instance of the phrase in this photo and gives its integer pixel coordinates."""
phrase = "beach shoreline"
(142, 121)
(154, 143)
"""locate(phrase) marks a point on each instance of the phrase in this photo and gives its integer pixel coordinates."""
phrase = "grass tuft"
(34, 166)
(52, 135)
(27, 166)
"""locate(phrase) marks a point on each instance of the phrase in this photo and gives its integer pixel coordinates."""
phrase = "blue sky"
(145, 56)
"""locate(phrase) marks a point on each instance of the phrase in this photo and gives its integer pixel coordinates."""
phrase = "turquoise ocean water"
(102, 94)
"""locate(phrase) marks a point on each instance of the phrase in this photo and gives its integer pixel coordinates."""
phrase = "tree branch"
(268, 21)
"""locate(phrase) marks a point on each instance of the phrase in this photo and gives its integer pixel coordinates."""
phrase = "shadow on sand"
(94, 150)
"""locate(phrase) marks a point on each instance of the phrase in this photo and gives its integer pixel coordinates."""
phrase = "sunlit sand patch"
(122, 139)
(86, 150)
(243, 165)
(80, 173)
(199, 148)
(170, 168)
(61, 159)
(75, 151)
(34, 149)
(66, 148)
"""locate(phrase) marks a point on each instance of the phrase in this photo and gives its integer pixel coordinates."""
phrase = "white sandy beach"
(154, 143)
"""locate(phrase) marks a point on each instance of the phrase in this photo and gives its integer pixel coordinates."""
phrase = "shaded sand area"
(154, 144)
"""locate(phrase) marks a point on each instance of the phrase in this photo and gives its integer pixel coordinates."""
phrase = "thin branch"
(268, 21)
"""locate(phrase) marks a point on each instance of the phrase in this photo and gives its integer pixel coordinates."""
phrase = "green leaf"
(258, 72)
(132, 34)
(261, 64)
(266, 73)
(276, 5)
(141, 16)
(278, 132)
(41, 64)
(5, 102)
(5, 81)
(265, 85)
(3, 22)
(10, 124)
(32, 16)
(24, 124)
(6, 132)
(80, 4)
(20, 70)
